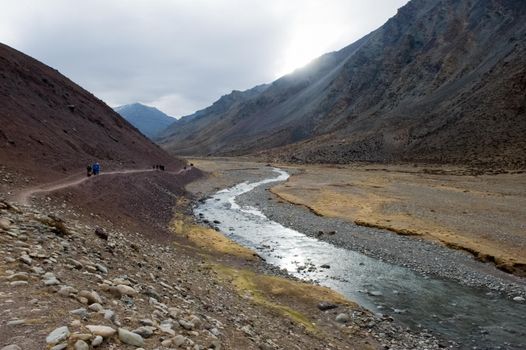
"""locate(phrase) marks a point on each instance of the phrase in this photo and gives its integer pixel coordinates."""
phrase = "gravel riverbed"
(422, 256)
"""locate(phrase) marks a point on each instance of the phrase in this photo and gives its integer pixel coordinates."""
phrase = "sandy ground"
(485, 215)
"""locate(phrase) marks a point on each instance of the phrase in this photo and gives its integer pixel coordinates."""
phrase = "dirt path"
(24, 196)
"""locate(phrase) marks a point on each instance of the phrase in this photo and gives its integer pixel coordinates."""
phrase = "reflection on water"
(466, 315)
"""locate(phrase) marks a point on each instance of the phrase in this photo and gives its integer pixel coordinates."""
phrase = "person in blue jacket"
(96, 168)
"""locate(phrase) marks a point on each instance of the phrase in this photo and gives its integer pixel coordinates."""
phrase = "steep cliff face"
(50, 126)
(442, 81)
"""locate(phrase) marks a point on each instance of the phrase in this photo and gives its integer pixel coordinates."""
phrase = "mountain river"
(474, 318)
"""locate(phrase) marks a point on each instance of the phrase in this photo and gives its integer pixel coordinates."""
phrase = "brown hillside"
(51, 127)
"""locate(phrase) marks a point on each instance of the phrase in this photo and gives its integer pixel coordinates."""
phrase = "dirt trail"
(25, 195)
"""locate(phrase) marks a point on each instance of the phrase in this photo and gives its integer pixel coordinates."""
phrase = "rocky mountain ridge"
(442, 81)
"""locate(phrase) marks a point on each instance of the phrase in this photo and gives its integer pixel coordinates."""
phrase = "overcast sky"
(182, 55)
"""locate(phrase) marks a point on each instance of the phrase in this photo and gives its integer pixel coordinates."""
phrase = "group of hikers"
(93, 169)
(159, 167)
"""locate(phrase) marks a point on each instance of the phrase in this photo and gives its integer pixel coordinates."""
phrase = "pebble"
(109, 315)
(5, 224)
(80, 312)
(178, 340)
(58, 335)
(186, 325)
(126, 290)
(101, 268)
(67, 291)
(97, 341)
(15, 322)
(96, 307)
(145, 331)
(18, 283)
(53, 281)
(325, 305)
(342, 318)
(26, 259)
(19, 276)
(519, 299)
(81, 345)
(103, 331)
(61, 346)
(130, 338)
(12, 347)
(92, 297)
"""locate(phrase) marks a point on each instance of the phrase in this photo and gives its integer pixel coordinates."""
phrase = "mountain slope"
(442, 81)
(49, 126)
(149, 120)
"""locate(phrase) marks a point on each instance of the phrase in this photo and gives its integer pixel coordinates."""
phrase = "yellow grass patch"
(208, 239)
(278, 294)
(462, 212)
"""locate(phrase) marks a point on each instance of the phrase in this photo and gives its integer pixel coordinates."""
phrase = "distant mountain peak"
(149, 120)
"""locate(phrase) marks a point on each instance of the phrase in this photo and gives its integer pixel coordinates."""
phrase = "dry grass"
(209, 240)
(279, 294)
(485, 215)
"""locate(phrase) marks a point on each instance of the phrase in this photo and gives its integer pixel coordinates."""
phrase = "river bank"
(108, 271)
(462, 266)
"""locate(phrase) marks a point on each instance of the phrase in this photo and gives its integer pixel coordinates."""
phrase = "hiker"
(162, 167)
(96, 168)
(89, 170)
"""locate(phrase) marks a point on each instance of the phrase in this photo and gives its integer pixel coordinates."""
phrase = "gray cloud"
(181, 55)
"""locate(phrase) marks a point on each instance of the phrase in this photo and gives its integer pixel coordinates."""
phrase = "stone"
(325, 266)
(325, 305)
(79, 312)
(144, 331)
(76, 264)
(18, 283)
(97, 341)
(5, 224)
(109, 315)
(178, 340)
(12, 347)
(101, 268)
(186, 325)
(53, 281)
(103, 331)
(342, 318)
(81, 345)
(146, 322)
(25, 259)
(126, 290)
(101, 233)
(375, 293)
(19, 276)
(96, 307)
(130, 338)
(92, 297)
(66, 291)
(166, 343)
(15, 322)
(167, 328)
(215, 344)
(519, 299)
(61, 346)
(58, 335)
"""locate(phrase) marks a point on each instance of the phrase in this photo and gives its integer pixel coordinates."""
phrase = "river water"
(474, 318)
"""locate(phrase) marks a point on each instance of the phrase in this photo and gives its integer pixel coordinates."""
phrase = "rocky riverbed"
(423, 256)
